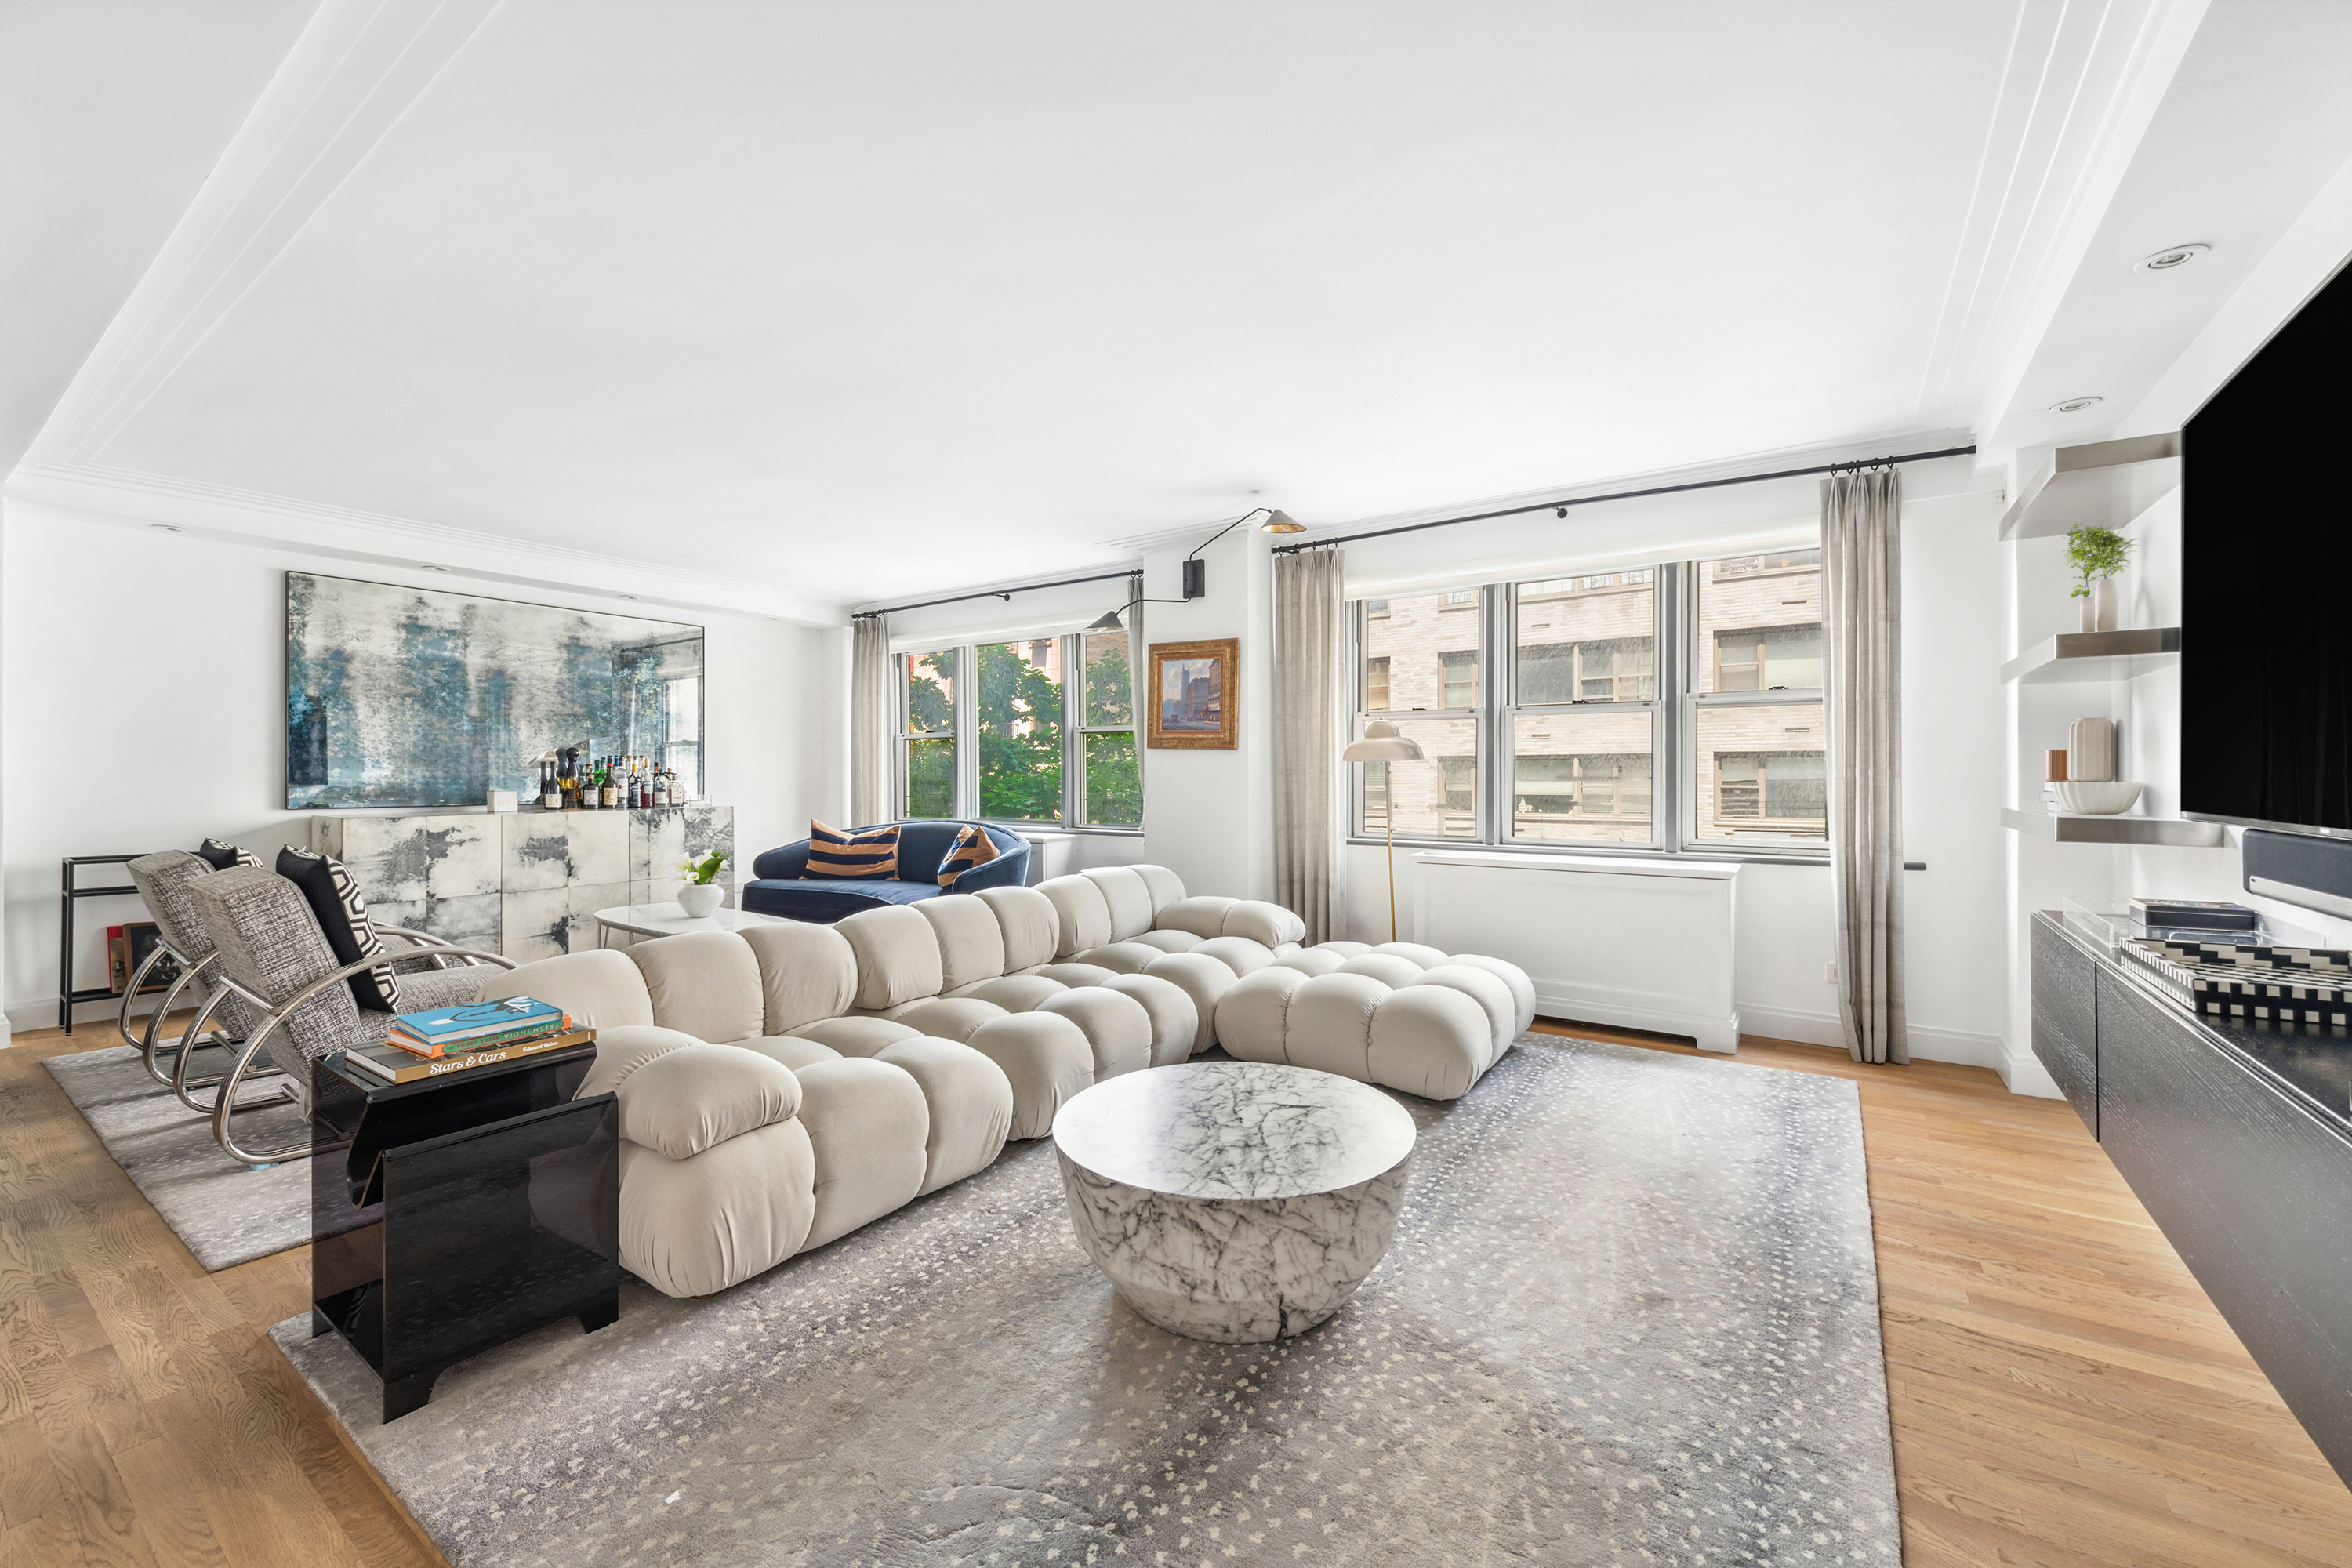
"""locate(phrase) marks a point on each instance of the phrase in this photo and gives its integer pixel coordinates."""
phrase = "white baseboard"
(2024, 1074)
(42, 1013)
(1929, 1043)
(1804, 1026)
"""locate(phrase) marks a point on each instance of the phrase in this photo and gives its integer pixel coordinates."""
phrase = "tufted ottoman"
(1409, 1017)
(1402, 1014)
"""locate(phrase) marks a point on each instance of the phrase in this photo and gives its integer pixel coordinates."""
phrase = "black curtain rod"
(998, 593)
(1627, 495)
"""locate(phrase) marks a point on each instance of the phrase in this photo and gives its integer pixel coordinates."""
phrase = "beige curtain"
(870, 722)
(1308, 643)
(1862, 559)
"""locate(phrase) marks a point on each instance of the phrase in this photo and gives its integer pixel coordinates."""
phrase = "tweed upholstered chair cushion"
(342, 912)
(270, 942)
(832, 853)
(972, 848)
(163, 880)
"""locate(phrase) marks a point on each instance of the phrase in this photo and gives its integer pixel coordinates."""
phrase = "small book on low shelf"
(393, 1065)
(437, 1031)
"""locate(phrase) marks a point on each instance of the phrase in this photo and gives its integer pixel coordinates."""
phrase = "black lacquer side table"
(468, 1210)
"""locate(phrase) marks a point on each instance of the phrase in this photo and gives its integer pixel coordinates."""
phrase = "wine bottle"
(608, 793)
(551, 796)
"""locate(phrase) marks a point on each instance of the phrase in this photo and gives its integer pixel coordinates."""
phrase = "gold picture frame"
(1194, 694)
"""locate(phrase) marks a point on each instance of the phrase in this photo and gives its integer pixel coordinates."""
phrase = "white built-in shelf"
(2101, 484)
(2095, 656)
(2059, 828)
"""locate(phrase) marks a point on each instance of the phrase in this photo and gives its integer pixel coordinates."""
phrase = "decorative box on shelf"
(2246, 983)
(528, 883)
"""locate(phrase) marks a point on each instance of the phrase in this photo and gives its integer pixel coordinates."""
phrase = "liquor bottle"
(608, 793)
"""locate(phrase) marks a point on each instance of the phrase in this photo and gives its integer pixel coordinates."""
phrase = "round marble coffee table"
(1234, 1201)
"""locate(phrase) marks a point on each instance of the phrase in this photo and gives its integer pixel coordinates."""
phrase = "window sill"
(1057, 827)
(1745, 856)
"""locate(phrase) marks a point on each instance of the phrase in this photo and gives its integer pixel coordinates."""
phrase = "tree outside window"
(1021, 730)
(928, 751)
(1044, 748)
(1113, 771)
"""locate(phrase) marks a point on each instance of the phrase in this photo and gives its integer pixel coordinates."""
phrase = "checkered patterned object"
(2256, 984)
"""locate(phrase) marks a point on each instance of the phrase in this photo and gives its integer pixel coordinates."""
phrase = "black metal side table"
(496, 1198)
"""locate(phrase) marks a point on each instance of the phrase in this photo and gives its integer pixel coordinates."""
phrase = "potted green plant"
(2096, 554)
(701, 893)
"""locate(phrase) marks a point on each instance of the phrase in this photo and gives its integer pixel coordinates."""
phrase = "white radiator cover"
(1642, 944)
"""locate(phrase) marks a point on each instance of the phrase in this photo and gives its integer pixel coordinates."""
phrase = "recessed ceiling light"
(2075, 404)
(2172, 255)
(163, 527)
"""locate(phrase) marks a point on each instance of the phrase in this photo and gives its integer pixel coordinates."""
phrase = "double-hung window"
(1758, 746)
(1419, 666)
(1674, 707)
(927, 747)
(1041, 733)
(1584, 710)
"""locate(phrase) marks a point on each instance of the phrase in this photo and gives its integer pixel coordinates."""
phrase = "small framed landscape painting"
(1195, 688)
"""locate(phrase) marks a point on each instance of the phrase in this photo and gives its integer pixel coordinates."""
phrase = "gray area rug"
(226, 1212)
(1631, 1318)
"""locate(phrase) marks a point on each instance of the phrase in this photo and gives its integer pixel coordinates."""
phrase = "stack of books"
(443, 1040)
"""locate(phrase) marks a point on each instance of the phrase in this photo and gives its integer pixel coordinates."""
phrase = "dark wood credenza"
(2239, 1141)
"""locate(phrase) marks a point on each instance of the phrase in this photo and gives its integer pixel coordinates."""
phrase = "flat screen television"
(2266, 583)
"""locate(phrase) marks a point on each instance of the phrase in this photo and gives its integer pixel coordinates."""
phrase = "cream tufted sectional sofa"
(782, 1086)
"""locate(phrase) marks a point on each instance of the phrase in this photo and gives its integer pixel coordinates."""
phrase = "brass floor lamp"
(1381, 744)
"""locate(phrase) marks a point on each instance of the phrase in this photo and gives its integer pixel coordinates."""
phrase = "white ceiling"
(112, 114)
(870, 301)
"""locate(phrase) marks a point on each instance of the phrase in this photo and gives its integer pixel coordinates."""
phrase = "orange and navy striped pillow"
(831, 853)
(974, 849)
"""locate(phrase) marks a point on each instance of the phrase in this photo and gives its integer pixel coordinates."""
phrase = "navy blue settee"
(781, 886)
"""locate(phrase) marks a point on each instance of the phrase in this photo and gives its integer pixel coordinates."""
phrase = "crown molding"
(355, 71)
(2080, 87)
(255, 521)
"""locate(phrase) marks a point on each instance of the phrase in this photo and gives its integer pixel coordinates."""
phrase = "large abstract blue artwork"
(408, 696)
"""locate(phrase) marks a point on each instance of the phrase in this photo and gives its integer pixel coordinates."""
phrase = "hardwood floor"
(2062, 1393)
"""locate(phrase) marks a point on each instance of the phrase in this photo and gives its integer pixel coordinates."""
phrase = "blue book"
(440, 1025)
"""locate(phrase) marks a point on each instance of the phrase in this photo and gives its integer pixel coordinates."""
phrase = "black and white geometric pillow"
(221, 857)
(342, 912)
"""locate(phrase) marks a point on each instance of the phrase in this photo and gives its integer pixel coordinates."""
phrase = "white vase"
(700, 898)
(2097, 608)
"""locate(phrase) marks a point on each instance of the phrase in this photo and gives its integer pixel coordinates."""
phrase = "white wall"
(1209, 814)
(144, 700)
